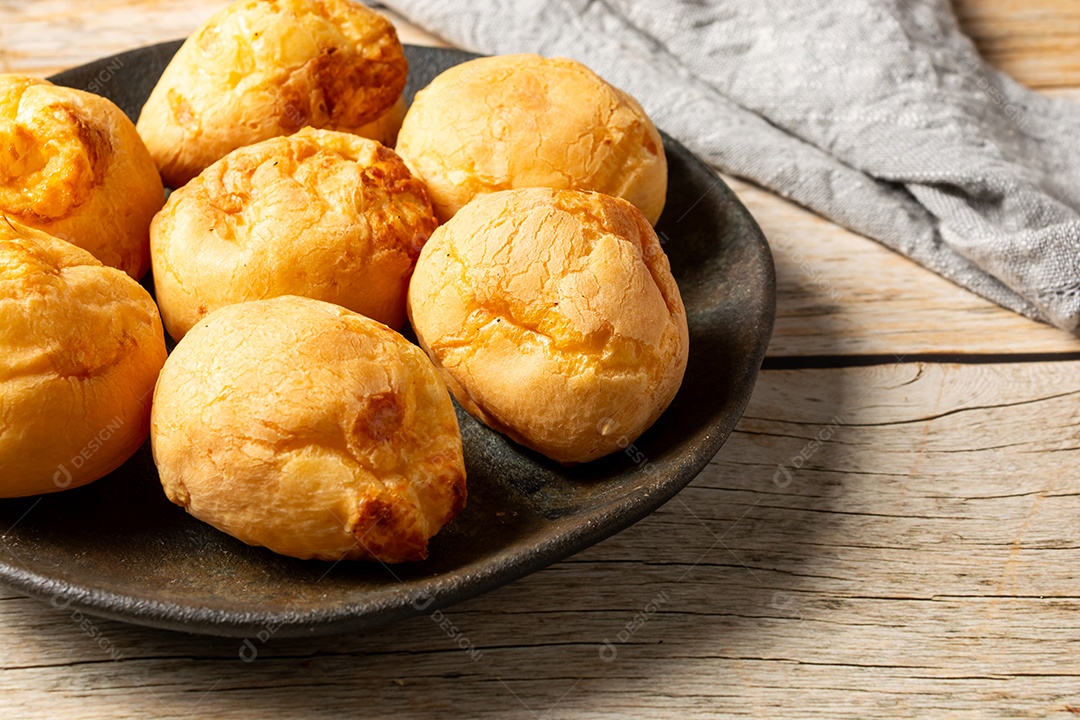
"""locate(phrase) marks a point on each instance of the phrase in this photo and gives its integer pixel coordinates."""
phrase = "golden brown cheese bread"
(259, 69)
(516, 121)
(81, 345)
(323, 214)
(72, 164)
(308, 429)
(553, 317)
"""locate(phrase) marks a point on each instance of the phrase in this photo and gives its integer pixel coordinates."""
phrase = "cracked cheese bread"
(297, 425)
(264, 68)
(514, 121)
(81, 345)
(553, 317)
(72, 165)
(322, 214)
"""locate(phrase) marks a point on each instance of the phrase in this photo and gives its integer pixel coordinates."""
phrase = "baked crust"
(81, 345)
(554, 318)
(514, 121)
(263, 68)
(308, 429)
(322, 214)
(74, 166)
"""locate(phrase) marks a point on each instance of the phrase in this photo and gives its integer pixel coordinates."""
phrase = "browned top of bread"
(314, 431)
(56, 154)
(554, 316)
(513, 121)
(74, 166)
(322, 214)
(259, 69)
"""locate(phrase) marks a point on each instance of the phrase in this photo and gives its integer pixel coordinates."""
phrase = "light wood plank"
(1035, 41)
(45, 36)
(919, 562)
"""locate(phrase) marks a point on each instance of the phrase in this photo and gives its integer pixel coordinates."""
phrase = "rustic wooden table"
(918, 562)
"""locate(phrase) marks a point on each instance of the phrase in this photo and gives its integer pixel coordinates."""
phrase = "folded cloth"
(878, 114)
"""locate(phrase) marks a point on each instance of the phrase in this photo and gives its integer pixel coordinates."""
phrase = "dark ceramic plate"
(119, 549)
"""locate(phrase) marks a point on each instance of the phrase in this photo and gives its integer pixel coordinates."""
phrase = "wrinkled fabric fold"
(879, 115)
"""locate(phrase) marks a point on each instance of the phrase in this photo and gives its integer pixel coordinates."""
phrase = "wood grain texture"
(1035, 41)
(917, 561)
(874, 541)
(42, 37)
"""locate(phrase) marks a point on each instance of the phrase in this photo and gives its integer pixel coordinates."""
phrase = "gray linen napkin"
(878, 114)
